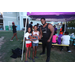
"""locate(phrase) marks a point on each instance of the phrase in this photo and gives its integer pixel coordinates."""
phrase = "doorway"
(1, 24)
(24, 21)
(1, 21)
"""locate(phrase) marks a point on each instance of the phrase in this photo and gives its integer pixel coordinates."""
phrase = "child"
(66, 41)
(14, 31)
(54, 38)
(28, 44)
(59, 39)
(35, 43)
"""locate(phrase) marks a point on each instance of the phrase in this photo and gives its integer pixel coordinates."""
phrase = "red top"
(61, 32)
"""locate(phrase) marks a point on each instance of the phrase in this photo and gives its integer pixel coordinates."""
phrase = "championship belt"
(34, 38)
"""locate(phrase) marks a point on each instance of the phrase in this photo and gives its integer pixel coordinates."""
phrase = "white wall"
(8, 18)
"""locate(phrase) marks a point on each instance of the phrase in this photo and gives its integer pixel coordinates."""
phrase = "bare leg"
(35, 50)
(29, 51)
(13, 36)
(26, 54)
(16, 36)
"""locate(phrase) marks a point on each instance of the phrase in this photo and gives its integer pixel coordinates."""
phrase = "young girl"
(28, 44)
(54, 38)
(35, 43)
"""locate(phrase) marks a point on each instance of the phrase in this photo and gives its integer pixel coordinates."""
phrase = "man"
(47, 32)
(14, 31)
(30, 25)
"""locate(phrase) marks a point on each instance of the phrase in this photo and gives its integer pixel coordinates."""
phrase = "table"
(56, 44)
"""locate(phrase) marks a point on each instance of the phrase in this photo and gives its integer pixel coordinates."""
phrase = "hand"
(39, 38)
(31, 40)
(35, 40)
(36, 34)
(48, 40)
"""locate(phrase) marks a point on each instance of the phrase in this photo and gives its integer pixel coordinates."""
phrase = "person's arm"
(38, 36)
(52, 31)
(15, 26)
(28, 39)
(40, 33)
(62, 37)
(32, 33)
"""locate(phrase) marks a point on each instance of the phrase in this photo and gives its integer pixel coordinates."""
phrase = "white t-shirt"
(65, 39)
(37, 41)
(26, 36)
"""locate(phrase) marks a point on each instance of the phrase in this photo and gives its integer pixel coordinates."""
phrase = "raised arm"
(27, 39)
(52, 31)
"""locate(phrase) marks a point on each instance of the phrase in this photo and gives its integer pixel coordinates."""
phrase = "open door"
(1, 24)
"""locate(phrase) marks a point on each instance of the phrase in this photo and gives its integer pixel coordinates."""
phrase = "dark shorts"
(14, 32)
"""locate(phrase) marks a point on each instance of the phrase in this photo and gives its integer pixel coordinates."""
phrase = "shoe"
(47, 60)
(69, 51)
(33, 60)
(11, 40)
(42, 53)
(30, 58)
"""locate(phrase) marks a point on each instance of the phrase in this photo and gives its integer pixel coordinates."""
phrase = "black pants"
(66, 47)
(48, 44)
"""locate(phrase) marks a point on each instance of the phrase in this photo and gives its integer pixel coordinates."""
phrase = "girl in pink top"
(54, 39)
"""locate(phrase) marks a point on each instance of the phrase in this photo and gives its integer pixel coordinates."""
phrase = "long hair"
(63, 27)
